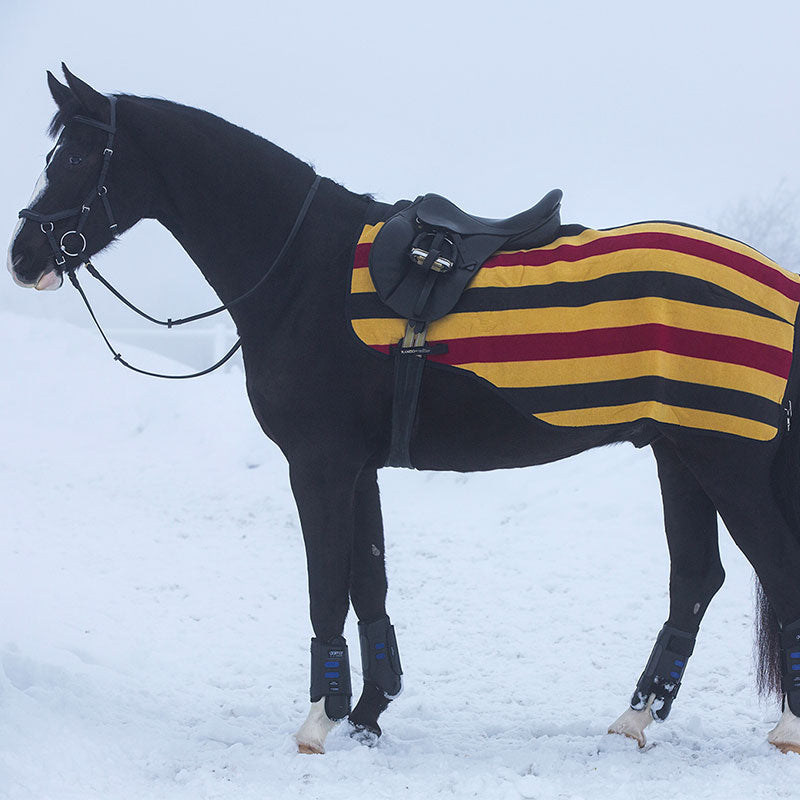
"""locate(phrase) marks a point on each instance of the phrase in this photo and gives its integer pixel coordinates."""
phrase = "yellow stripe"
(379, 331)
(627, 261)
(369, 233)
(571, 371)
(675, 415)
(362, 281)
(609, 314)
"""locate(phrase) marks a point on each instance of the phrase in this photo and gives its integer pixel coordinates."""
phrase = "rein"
(171, 323)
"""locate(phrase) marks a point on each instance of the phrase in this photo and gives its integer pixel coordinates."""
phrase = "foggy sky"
(673, 111)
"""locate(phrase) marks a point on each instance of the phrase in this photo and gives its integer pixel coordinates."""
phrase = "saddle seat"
(436, 211)
(428, 251)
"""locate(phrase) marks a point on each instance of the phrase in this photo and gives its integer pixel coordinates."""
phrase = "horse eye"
(74, 160)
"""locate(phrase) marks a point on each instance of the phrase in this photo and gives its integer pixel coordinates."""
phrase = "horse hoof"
(787, 747)
(786, 734)
(632, 724)
(365, 734)
(310, 749)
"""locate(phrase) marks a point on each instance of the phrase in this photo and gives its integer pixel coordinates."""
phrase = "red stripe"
(614, 341)
(744, 264)
(362, 255)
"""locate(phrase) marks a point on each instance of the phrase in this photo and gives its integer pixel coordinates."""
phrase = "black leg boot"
(380, 662)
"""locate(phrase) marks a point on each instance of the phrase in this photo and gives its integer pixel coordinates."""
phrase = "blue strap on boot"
(664, 671)
(380, 659)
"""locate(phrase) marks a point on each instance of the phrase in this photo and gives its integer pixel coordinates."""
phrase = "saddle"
(421, 262)
(425, 255)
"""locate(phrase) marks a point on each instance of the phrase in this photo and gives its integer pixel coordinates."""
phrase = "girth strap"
(409, 363)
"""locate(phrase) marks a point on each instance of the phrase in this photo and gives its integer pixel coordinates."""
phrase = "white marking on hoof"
(632, 724)
(313, 732)
(786, 734)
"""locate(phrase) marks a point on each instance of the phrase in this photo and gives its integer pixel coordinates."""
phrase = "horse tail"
(767, 646)
(786, 483)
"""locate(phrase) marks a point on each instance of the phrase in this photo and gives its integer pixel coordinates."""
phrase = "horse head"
(91, 189)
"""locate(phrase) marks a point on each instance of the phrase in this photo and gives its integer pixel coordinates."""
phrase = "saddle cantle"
(425, 255)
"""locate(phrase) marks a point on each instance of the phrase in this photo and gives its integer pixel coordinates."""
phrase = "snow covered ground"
(153, 613)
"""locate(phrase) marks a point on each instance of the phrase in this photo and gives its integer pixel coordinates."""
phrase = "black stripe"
(620, 286)
(539, 400)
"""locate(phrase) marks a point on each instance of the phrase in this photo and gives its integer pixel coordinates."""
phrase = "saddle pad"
(654, 320)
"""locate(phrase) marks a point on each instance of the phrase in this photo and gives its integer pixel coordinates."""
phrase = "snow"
(153, 613)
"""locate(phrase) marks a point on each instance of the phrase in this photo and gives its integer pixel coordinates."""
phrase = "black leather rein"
(171, 323)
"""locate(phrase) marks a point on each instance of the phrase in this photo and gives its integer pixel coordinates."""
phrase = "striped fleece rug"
(654, 321)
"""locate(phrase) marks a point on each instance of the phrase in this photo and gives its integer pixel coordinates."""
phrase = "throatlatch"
(790, 642)
(330, 676)
(664, 671)
(380, 659)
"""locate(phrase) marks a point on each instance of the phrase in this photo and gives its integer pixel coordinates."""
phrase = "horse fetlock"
(659, 683)
(313, 732)
(364, 717)
(380, 658)
(632, 724)
(330, 676)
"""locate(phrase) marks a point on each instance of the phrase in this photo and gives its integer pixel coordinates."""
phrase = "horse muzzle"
(49, 280)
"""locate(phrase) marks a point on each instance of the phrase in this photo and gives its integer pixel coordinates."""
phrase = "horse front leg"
(380, 660)
(696, 574)
(324, 491)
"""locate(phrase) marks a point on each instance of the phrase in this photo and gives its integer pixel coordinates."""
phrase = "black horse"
(231, 199)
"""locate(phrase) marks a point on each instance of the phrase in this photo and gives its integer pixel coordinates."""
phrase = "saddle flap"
(400, 283)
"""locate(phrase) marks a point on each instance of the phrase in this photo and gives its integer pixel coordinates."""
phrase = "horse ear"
(61, 94)
(94, 102)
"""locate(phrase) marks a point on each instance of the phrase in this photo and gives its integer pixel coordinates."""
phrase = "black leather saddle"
(425, 255)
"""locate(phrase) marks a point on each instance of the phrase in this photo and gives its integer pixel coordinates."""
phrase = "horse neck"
(229, 197)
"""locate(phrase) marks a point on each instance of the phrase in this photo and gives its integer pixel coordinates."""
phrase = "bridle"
(64, 246)
(61, 249)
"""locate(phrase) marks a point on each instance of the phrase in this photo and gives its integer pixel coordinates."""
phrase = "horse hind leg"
(696, 574)
(755, 487)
